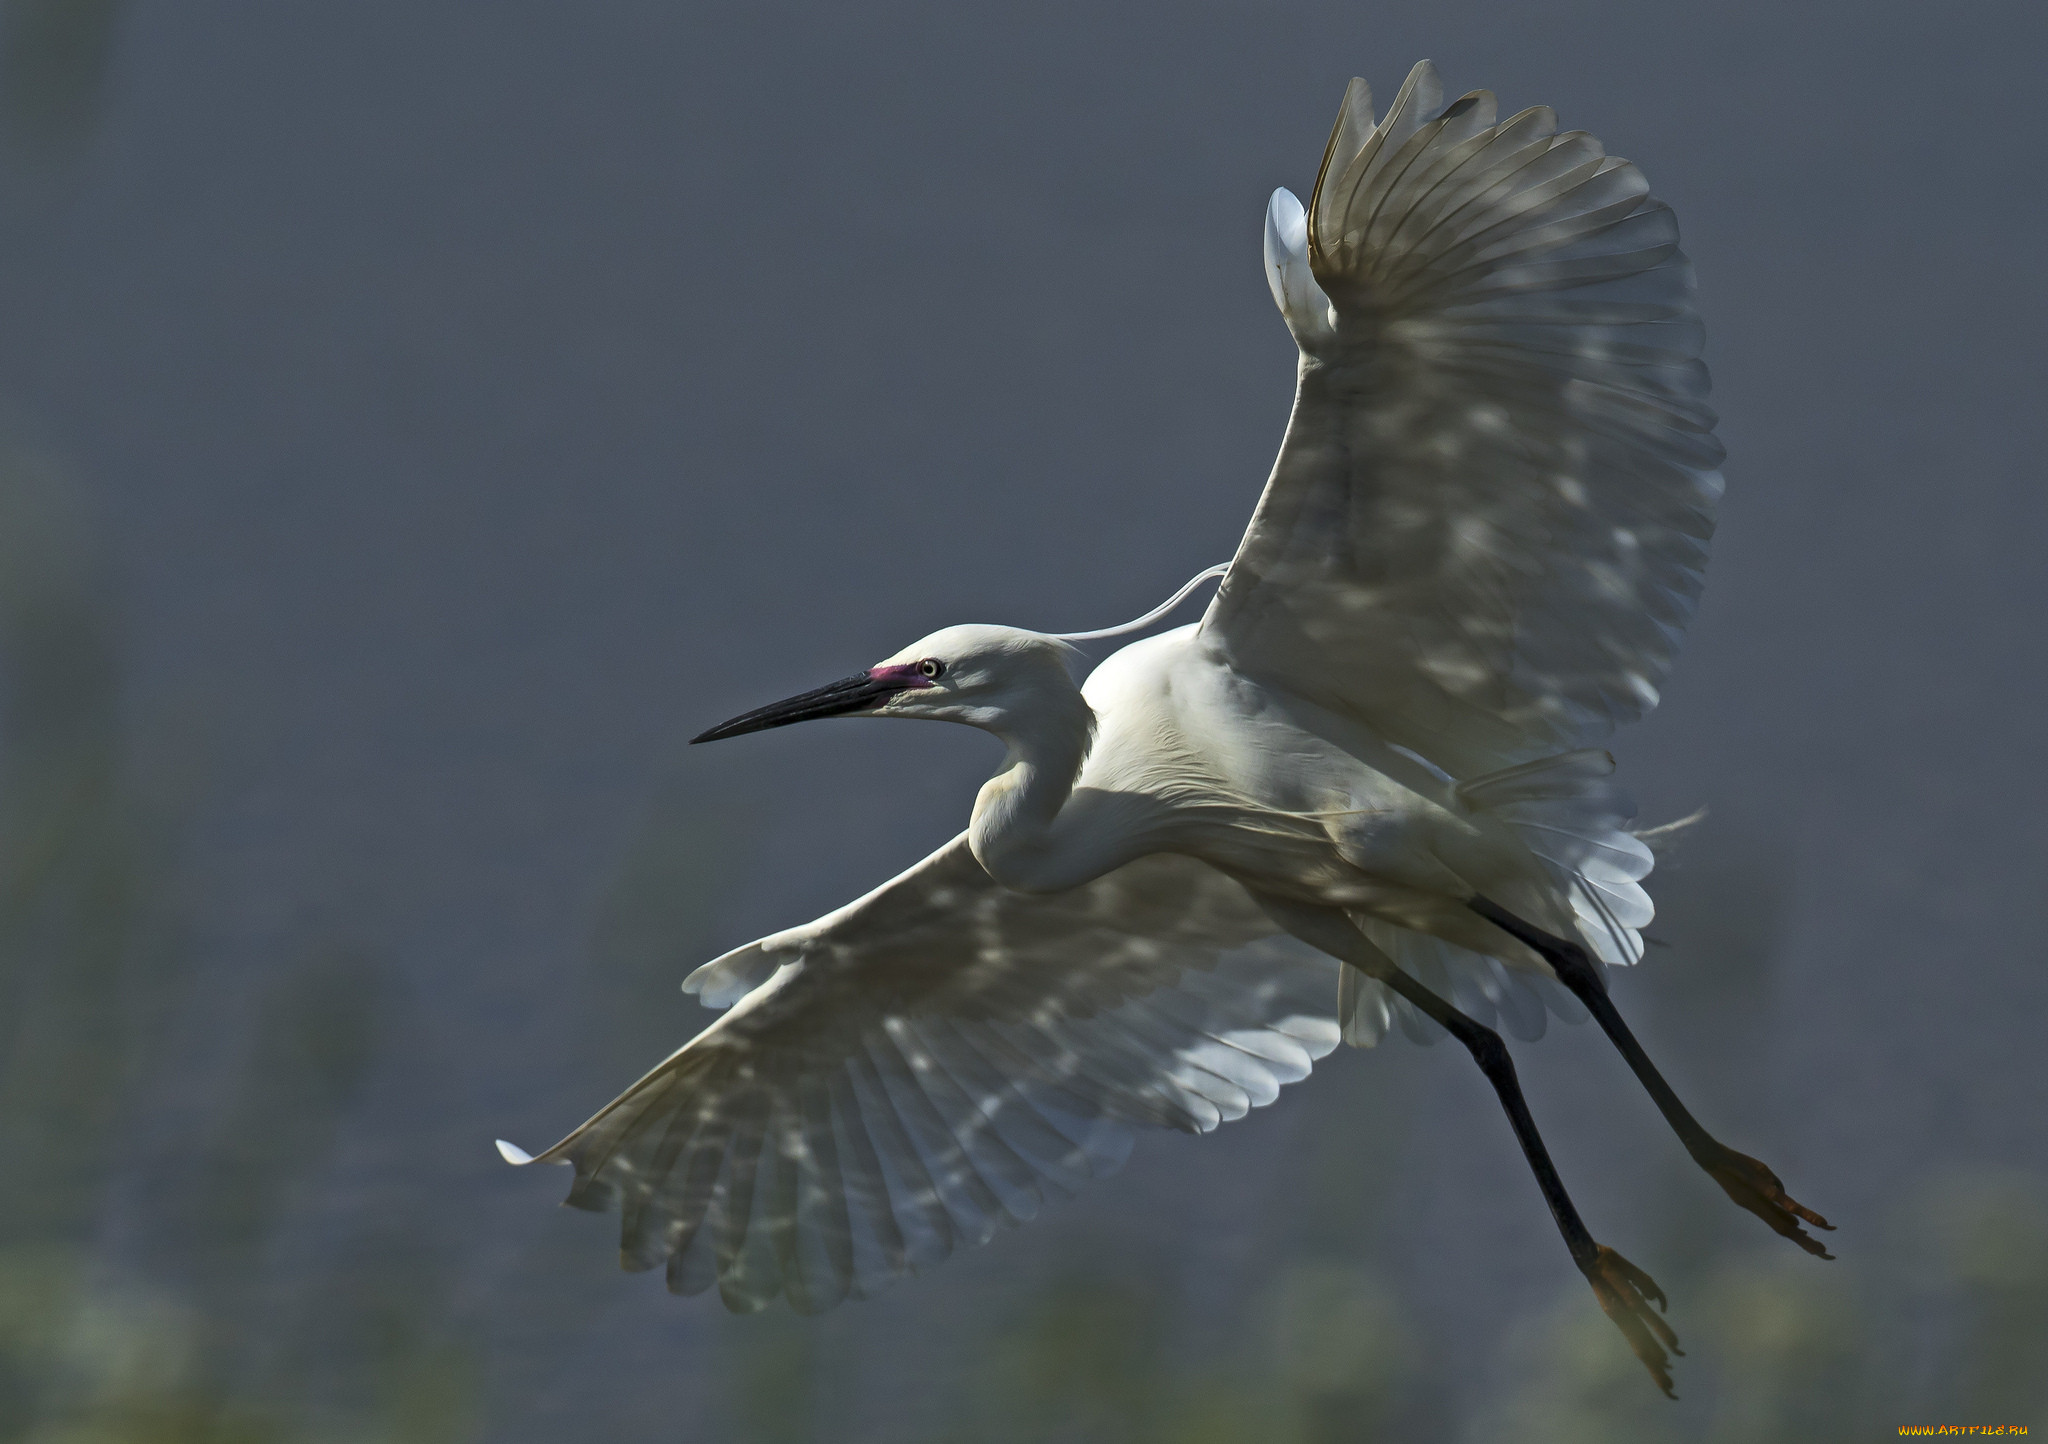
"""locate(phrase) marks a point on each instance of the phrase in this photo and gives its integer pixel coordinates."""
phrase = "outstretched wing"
(1487, 524)
(939, 1058)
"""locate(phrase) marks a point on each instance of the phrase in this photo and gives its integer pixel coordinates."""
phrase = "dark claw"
(1626, 1293)
(1757, 1189)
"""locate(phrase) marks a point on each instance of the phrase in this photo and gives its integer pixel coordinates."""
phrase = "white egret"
(1482, 538)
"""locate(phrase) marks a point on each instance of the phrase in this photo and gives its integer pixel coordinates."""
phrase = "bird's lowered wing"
(937, 1059)
(1487, 524)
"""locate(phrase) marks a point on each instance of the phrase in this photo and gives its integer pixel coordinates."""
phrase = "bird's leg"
(1744, 1179)
(1625, 1291)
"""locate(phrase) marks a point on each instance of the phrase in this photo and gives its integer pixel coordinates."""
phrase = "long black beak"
(854, 694)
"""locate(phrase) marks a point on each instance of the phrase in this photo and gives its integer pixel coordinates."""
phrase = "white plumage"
(938, 1059)
(1475, 555)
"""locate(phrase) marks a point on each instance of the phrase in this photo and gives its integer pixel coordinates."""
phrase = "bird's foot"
(1626, 1293)
(1757, 1189)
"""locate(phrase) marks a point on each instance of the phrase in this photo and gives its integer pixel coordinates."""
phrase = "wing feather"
(1487, 525)
(936, 1061)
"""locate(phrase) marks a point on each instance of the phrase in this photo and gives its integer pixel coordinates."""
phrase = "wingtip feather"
(518, 1157)
(1288, 274)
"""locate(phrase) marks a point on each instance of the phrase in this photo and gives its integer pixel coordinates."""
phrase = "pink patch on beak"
(906, 675)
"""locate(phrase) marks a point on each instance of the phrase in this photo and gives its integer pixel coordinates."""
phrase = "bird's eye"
(932, 668)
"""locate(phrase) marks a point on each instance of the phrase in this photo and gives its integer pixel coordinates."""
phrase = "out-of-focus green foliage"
(94, 983)
(53, 62)
(1951, 1326)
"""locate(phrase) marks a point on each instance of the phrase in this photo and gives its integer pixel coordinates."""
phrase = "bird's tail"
(1570, 813)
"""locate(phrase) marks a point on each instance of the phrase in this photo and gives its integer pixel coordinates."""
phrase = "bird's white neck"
(1016, 831)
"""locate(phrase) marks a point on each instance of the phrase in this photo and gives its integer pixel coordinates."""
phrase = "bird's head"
(980, 675)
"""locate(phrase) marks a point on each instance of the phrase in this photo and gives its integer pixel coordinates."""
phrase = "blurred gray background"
(417, 419)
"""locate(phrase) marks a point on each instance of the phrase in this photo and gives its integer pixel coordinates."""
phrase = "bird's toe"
(1757, 1189)
(1626, 1294)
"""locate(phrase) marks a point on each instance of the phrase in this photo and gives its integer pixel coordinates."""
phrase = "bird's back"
(1302, 802)
(1287, 796)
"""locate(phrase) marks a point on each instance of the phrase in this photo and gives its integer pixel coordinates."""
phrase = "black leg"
(1745, 1180)
(1625, 1291)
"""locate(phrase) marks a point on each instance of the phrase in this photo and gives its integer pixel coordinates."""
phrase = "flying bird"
(1364, 792)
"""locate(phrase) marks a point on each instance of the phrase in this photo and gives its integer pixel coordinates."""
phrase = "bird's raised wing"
(1487, 524)
(939, 1058)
